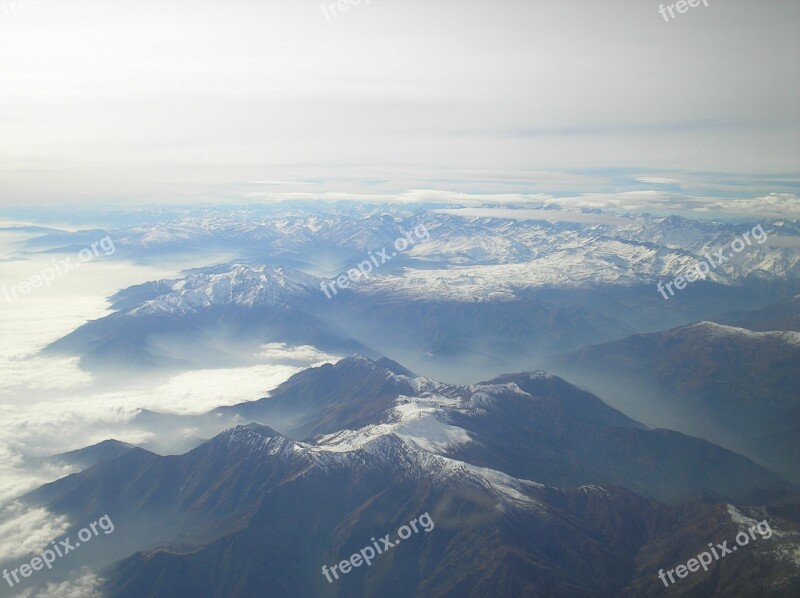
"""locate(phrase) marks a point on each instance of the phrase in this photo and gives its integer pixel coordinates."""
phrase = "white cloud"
(658, 180)
(289, 183)
(49, 405)
(774, 205)
(87, 585)
(771, 205)
(26, 531)
(522, 214)
(303, 354)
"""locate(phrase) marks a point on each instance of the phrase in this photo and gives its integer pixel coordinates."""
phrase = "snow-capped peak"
(239, 284)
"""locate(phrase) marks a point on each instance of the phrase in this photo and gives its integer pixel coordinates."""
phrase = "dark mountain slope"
(734, 387)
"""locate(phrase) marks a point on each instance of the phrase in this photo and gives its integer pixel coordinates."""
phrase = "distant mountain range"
(733, 386)
(478, 295)
(784, 315)
(535, 487)
(91, 455)
(461, 251)
(219, 314)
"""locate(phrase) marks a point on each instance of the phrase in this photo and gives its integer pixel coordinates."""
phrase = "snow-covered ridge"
(722, 331)
(420, 421)
(465, 259)
(424, 420)
(239, 284)
(375, 446)
(259, 440)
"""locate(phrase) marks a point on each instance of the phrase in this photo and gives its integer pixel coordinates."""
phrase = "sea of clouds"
(49, 405)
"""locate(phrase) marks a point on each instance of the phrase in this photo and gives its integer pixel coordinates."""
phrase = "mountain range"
(632, 432)
(535, 488)
(733, 386)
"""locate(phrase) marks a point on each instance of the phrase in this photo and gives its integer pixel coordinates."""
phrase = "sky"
(238, 100)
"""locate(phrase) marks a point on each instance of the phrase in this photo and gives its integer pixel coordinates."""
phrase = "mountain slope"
(784, 315)
(90, 455)
(533, 426)
(473, 296)
(500, 467)
(250, 512)
(735, 387)
(209, 319)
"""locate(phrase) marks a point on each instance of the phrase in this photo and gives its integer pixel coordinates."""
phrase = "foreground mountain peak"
(255, 438)
(360, 360)
(258, 429)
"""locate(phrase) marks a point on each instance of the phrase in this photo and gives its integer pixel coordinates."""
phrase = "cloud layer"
(50, 406)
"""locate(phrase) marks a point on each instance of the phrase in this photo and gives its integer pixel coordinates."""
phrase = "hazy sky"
(225, 100)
